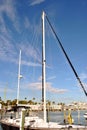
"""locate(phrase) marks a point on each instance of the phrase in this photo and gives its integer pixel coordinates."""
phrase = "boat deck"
(9, 125)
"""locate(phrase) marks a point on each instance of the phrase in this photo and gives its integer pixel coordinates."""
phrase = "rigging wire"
(35, 45)
(61, 46)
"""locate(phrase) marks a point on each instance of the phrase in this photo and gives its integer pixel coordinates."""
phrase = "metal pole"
(22, 119)
(19, 77)
(43, 65)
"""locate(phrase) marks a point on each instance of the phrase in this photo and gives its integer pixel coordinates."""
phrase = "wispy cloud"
(83, 76)
(31, 52)
(49, 87)
(30, 64)
(7, 48)
(7, 52)
(54, 90)
(9, 44)
(36, 2)
(8, 8)
(27, 23)
(50, 78)
(6, 90)
(85, 86)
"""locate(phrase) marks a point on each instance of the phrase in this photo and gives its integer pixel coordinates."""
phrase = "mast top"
(43, 14)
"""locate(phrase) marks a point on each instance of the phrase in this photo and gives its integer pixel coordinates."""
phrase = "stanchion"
(22, 119)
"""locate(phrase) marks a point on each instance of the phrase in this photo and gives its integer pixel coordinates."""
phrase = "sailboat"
(34, 122)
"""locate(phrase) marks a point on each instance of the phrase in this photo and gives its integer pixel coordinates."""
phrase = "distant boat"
(34, 122)
(85, 115)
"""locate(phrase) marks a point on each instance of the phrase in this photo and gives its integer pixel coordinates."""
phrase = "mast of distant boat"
(19, 76)
(43, 67)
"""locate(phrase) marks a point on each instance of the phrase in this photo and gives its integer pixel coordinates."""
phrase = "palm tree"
(33, 100)
(30, 102)
(0, 99)
(53, 102)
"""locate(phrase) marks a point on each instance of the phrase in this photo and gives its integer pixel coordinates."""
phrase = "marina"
(29, 122)
(43, 105)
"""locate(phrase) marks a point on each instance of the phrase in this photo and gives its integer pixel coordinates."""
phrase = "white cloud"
(7, 90)
(83, 76)
(8, 45)
(9, 53)
(27, 23)
(40, 78)
(54, 90)
(31, 52)
(7, 50)
(8, 8)
(30, 63)
(84, 83)
(50, 78)
(49, 87)
(35, 2)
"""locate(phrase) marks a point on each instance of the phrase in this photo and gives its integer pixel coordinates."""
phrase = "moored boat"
(36, 123)
(85, 116)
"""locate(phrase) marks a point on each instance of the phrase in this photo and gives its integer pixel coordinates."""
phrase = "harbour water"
(0, 127)
(58, 116)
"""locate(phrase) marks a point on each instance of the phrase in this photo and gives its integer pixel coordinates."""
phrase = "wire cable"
(61, 46)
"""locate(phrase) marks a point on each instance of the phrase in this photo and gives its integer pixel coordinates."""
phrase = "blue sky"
(20, 28)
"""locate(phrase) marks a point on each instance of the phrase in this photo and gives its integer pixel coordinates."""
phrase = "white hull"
(85, 115)
(37, 124)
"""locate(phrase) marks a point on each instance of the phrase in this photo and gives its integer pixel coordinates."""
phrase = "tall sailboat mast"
(43, 67)
(19, 76)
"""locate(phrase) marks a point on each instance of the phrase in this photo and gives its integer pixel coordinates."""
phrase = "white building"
(0, 106)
